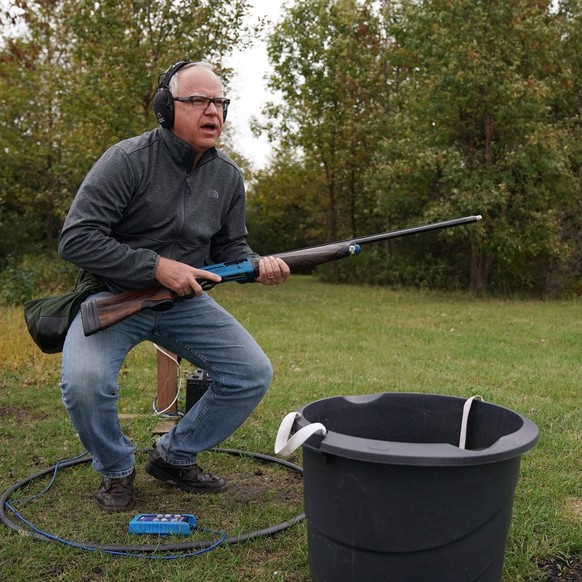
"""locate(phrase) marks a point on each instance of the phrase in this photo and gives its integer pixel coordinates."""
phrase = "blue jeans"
(196, 329)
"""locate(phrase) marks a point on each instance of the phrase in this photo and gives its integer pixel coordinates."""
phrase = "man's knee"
(267, 371)
(86, 387)
(263, 373)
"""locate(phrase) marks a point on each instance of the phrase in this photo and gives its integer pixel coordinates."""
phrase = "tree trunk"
(480, 268)
(332, 202)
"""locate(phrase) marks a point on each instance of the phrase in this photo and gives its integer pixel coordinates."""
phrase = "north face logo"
(213, 194)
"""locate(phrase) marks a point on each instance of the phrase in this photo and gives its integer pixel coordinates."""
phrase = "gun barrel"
(417, 229)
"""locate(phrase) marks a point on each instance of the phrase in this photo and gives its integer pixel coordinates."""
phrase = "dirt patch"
(251, 487)
(574, 508)
(14, 411)
(562, 570)
(258, 495)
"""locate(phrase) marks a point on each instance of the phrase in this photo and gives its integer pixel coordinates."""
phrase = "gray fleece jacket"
(144, 199)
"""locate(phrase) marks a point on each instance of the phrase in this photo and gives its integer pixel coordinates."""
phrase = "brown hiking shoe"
(116, 494)
(189, 478)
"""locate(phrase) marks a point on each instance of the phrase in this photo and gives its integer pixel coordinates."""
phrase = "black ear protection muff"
(164, 100)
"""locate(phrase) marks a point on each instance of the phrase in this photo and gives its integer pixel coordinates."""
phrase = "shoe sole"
(160, 475)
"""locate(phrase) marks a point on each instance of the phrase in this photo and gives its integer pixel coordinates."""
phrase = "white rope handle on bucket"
(285, 445)
(465, 420)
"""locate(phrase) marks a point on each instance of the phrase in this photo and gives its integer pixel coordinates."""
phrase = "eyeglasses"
(201, 102)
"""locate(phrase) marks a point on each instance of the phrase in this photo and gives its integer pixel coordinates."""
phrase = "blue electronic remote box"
(162, 523)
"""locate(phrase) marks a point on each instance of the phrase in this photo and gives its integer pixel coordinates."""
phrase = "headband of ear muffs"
(164, 100)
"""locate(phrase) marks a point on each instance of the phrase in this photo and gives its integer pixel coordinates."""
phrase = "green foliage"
(32, 276)
(461, 108)
(474, 133)
(285, 208)
(19, 231)
(404, 263)
(329, 62)
(390, 114)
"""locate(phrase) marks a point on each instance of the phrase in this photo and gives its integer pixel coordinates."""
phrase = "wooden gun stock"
(104, 312)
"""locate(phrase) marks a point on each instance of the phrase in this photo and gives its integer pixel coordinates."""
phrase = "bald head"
(173, 84)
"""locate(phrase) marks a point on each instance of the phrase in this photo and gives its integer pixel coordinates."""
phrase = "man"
(153, 209)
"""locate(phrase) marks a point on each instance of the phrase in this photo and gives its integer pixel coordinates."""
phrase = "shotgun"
(98, 314)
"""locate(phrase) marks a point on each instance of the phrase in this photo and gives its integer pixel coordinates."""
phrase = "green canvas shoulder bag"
(48, 319)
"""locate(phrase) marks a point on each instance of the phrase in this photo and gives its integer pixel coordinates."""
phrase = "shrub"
(36, 275)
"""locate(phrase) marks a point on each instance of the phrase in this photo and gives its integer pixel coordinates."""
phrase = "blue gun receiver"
(241, 270)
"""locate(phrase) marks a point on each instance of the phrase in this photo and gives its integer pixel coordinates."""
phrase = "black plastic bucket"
(389, 495)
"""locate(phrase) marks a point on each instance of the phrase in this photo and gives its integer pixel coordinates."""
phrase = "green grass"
(323, 340)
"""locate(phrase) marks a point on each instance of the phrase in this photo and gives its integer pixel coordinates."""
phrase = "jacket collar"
(182, 152)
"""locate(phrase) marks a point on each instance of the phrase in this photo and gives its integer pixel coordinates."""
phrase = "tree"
(329, 60)
(475, 134)
(76, 76)
(567, 112)
(286, 209)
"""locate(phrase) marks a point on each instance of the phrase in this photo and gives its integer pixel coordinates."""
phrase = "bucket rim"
(335, 443)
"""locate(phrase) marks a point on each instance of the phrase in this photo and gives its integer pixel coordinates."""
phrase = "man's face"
(200, 128)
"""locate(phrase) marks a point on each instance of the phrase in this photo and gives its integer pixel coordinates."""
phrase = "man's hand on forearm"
(272, 271)
(181, 278)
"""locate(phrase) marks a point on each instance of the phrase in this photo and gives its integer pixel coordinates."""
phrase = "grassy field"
(323, 340)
